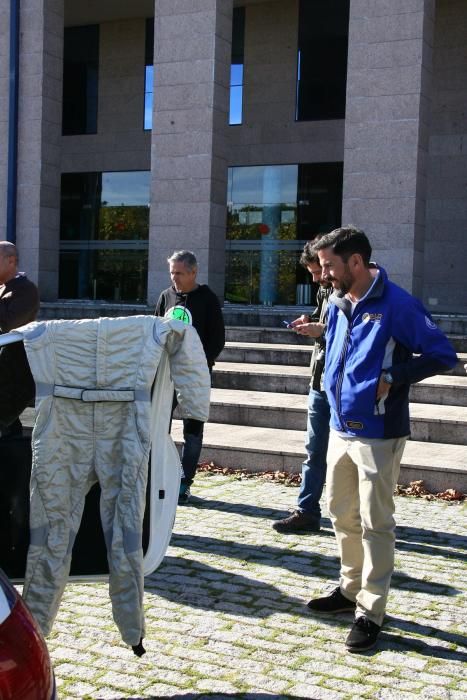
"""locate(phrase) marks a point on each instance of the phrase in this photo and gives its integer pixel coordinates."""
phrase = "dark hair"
(186, 257)
(346, 241)
(309, 254)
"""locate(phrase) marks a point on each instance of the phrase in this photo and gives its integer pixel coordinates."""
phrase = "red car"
(25, 668)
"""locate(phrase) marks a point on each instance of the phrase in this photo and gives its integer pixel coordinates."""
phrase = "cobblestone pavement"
(227, 618)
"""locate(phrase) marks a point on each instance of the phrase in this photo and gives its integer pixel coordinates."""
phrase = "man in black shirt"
(197, 305)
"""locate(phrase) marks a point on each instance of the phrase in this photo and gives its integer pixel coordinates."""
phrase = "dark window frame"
(148, 74)
(322, 46)
(80, 80)
(237, 59)
(104, 244)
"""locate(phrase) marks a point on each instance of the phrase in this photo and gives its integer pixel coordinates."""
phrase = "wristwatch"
(387, 376)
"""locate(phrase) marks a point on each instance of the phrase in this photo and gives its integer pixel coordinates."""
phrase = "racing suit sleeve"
(188, 369)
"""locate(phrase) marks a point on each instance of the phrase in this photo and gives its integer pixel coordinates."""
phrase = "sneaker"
(184, 494)
(297, 522)
(335, 602)
(363, 635)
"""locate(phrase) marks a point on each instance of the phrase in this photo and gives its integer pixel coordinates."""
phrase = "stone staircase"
(258, 410)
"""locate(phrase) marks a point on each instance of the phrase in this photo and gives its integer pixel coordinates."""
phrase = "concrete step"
(446, 424)
(261, 377)
(443, 389)
(286, 336)
(259, 449)
(286, 354)
(272, 317)
(257, 334)
(267, 353)
(255, 448)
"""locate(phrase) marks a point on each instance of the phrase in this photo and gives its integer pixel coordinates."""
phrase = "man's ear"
(355, 261)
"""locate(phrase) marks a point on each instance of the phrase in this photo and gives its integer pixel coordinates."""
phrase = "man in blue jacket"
(374, 329)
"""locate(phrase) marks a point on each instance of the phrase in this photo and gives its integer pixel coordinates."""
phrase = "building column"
(39, 141)
(4, 101)
(387, 129)
(192, 46)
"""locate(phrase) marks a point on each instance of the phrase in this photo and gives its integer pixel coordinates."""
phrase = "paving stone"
(124, 681)
(392, 694)
(215, 686)
(436, 693)
(80, 690)
(74, 670)
(315, 692)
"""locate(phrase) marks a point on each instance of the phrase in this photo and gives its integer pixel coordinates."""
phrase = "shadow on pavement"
(298, 561)
(431, 542)
(214, 696)
(243, 508)
(411, 643)
(223, 592)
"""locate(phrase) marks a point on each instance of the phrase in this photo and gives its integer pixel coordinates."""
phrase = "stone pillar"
(192, 43)
(387, 129)
(4, 100)
(39, 141)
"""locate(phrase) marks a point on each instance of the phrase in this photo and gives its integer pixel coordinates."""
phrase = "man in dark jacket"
(19, 304)
(307, 516)
(379, 341)
(197, 305)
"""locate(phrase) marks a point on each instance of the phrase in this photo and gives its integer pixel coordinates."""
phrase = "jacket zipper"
(340, 377)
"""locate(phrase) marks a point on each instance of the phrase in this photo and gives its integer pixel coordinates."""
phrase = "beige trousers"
(361, 478)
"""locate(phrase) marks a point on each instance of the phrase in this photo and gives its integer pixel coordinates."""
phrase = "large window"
(272, 211)
(80, 80)
(322, 59)
(236, 66)
(104, 229)
(149, 73)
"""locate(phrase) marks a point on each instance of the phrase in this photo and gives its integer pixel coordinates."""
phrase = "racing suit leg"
(123, 498)
(56, 507)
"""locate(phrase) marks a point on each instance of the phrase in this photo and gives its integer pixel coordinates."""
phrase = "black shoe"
(335, 602)
(297, 522)
(363, 635)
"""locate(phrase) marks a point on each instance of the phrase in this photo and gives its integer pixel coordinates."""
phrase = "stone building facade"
(396, 158)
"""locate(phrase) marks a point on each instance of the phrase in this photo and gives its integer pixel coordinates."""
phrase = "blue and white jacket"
(383, 332)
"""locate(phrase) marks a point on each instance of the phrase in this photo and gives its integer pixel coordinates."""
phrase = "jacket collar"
(376, 292)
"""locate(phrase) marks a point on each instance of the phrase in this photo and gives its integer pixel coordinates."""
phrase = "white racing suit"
(93, 423)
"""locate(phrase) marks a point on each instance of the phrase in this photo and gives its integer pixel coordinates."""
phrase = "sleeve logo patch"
(430, 324)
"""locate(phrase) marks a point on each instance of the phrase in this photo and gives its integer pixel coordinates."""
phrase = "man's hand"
(312, 330)
(383, 389)
(299, 321)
